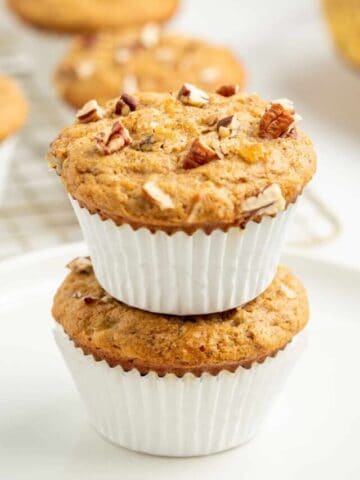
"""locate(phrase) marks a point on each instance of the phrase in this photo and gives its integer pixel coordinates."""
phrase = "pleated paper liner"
(182, 274)
(172, 416)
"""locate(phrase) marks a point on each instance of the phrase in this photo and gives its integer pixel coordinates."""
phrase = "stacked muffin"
(182, 327)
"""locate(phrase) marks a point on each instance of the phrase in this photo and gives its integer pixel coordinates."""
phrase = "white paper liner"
(174, 416)
(184, 274)
(7, 148)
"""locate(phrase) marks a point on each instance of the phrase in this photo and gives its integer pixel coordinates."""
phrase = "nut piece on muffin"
(91, 15)
(144, 59)
(121, 335)
(186, 160)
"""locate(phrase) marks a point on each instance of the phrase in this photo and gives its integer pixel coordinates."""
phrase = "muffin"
(343, 18)
(184, 198)
(102, 66)
(178, 386)
(13, 113)
(91, 15)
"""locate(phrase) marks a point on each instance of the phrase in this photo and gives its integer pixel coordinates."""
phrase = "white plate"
(313, 432)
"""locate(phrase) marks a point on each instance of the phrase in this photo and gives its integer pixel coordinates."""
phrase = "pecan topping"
(278, 120)
(122, 55)
(130, 84)
(227, 126)
(191, 95)
(126, 104)
(114, 140)
(228, 90)
(80, 265)
(90, 112)
(269, 202)
(90, 299)
(209, 75)
(85, 69)
(199, 154)
(158, 196)
(150, 35)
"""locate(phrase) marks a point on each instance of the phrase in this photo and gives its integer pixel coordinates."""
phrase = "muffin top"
(91, 15)
(122, 335)
(13, 109)
(186, 160)
(103, 65)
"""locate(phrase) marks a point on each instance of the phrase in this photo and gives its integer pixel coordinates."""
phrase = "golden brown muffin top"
(103, 65)
(91, 15)
(122, 335)
(13, 109)
(186, 160)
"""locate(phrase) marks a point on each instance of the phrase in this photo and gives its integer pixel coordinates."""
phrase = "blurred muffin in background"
(91, 15)
(13, 113)
(343, 17)
(103, 65)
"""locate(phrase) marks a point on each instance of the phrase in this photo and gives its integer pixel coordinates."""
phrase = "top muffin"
(144, 59)
(91, 15)
(186, 160)
(13, 109)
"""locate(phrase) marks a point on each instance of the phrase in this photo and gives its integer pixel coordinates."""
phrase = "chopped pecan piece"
(158, 196)
(278, 120)
(227, 126)
(199, 154)
(228, 90)
(191, 95)
(80, 265)
(150, 35)
(90, 299)
(126, 104)
(269, 202)
(90, 112)
(114, 140)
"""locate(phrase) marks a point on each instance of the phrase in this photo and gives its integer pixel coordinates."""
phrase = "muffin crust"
(91, 15)
(121, 335)
(170, 139)
(13, 109)
(104, 65)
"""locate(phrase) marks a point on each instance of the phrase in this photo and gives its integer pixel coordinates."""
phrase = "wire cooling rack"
(36, 212)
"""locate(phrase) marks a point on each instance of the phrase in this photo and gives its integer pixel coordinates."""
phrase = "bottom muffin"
(178, 386)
